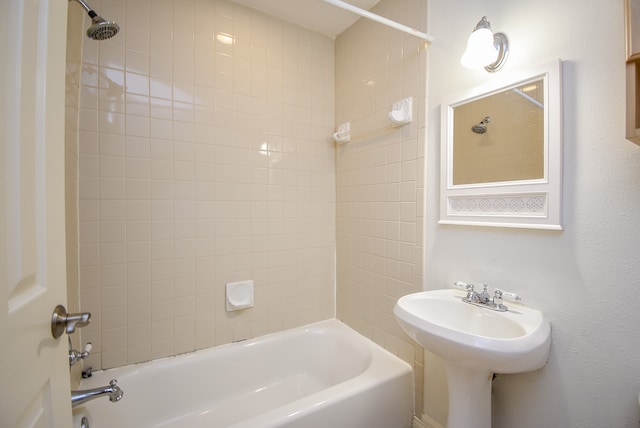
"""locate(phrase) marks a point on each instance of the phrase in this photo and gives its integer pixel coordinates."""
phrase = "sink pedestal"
(469, 397)
(474, 342)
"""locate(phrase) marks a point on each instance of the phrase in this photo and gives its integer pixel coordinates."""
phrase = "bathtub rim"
(383, 368)
(328, 324)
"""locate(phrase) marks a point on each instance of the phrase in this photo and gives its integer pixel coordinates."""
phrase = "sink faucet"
(112, 390)
(483, 298)
(475, 297)
(471, 294)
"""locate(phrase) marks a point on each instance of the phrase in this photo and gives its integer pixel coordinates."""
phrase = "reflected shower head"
(101, 28)
(481, 128)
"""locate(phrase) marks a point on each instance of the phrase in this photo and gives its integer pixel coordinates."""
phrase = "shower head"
(481, 128)
(101, 29)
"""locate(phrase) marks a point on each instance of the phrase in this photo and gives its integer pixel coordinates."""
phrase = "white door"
(33, 365)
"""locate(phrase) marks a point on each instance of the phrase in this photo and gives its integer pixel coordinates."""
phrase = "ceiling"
(311, 14)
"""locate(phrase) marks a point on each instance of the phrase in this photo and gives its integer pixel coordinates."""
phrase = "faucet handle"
(497, 297)
(459, 284)
(497, 301)
(75, 356)
(511, 297)
(471, 294)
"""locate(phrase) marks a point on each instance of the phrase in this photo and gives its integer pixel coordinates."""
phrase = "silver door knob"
(62, 322)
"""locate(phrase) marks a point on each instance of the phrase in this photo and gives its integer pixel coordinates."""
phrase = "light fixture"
(485, 48)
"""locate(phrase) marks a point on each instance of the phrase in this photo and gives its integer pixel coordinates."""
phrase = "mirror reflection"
(500, 137)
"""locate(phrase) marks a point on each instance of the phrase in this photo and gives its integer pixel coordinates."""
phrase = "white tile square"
(112, 188)
(138, 273)
(137, 61)
(138, 210)
(111, 231)
(138, 292)
(111, 123)
(138, 126)
(112, 166)
(137, 83)
(138, 252)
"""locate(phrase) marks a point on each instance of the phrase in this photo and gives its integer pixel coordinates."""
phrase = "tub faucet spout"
(112, 390)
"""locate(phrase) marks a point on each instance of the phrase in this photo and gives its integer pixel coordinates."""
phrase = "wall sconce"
(485, 48)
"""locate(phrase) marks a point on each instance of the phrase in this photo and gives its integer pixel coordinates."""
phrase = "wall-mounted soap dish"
(401, 113)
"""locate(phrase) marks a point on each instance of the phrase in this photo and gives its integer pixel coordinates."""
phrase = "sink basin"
(474, 342)
(500, 342)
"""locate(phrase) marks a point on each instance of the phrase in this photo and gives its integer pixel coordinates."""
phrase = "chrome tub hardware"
(62, 322)
(76, 356)
(88, 372)
(112, 390)
(484, 299)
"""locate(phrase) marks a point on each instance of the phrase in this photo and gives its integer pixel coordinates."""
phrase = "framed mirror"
(501, 157)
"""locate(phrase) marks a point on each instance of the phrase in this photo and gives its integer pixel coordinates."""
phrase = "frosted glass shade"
(481, 50)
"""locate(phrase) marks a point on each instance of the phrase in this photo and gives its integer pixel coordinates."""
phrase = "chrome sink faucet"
(475, 297)
(484, 299)
(484, 296)
(113, 391)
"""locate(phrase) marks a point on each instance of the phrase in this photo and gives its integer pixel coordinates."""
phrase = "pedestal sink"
(474, 342)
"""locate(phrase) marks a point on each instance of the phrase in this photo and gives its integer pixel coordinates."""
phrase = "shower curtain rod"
(381, 19)
(528, 97)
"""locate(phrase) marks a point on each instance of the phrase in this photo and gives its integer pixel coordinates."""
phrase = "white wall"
(584, 278)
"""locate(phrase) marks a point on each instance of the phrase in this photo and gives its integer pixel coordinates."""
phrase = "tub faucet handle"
(75, 356)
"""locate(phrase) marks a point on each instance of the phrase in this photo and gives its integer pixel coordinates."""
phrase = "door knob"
(62, 322)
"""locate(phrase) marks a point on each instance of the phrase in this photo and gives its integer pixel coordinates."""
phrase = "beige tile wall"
(201, 163)
(380, 177)
(511, 149)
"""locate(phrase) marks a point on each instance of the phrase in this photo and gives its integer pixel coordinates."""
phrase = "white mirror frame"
(531, 204)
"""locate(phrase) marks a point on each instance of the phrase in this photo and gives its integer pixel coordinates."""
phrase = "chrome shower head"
(481, 128)
(101, 28)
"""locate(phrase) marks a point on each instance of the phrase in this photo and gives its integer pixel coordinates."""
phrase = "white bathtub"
(323, 375)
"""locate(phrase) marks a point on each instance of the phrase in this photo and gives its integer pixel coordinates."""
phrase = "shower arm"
(380, 19)
(92, 14)
(84, 5)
